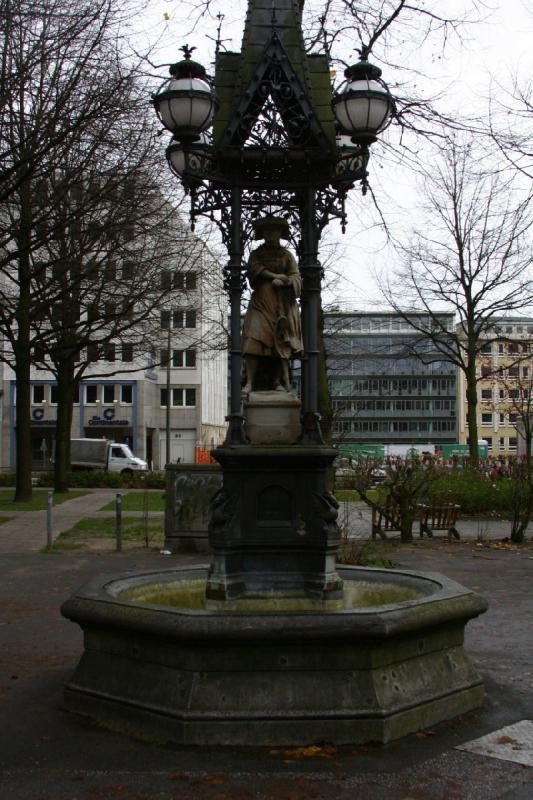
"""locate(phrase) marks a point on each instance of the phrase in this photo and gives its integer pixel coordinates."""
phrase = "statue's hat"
(266, 223)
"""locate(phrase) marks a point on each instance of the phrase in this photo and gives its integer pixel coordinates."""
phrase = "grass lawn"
(100, 534)
(39, 501)
(346, 495)
(140, 501)
(5, 519)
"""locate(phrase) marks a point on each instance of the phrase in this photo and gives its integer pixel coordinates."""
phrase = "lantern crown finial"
(187, 68)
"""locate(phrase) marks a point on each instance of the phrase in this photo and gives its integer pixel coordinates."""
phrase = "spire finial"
(187, 51)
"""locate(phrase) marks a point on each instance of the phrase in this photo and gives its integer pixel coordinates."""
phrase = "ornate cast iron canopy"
(274, 132)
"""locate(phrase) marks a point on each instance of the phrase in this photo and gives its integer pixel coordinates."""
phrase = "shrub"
(98, 479)
(7, 479)
(475, 493)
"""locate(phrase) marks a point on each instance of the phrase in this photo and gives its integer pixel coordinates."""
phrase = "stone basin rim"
(94, 603)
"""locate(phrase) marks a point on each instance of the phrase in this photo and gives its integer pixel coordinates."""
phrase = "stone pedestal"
(273, 528)
(272, 417)
(189, 490)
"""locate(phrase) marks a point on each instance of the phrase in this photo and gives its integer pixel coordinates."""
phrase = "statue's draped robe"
(272, 322)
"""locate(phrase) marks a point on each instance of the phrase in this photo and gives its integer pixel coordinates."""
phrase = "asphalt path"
(49, 754)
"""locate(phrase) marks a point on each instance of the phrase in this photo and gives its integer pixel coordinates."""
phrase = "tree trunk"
(471, 399)
(65, 400)
(406, 522)
(22, 353)
(23, 489)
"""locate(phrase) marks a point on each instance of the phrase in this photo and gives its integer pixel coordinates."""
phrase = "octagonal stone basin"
(160, 665)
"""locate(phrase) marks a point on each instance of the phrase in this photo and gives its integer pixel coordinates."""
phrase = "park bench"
(385, 519)
(439, 518)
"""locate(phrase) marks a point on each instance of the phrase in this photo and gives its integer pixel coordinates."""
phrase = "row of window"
(507, 348)
(387, 323)
(179, 397)
(110, 352)
(487, 418)
(505, 394)
(395, 426)
(180, 317)
(504, 372)
(504, 442)
(390, 386)
(106, 393)
(180, 358)
(515, 329)
(177, 279)
(395, 405)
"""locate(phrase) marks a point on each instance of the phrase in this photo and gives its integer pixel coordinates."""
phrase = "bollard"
(118, 521)
(49, 521)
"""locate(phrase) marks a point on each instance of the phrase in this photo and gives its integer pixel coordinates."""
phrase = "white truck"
(101, 454)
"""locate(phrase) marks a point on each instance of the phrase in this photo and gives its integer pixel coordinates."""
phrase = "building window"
(91, 394)
(127, 352)
(38, 394)
(163, 357)
(110, 271)
(54, 394)
(486, 418)
(127, 271)
(109, 393)
(110, 311)
(513, 442)
(488, 439)
(486, 371)
(501, 348)
(486, 394)
(92, 353)
(184, 318)
(513, 418)
(502, 419)
(76, 394)
(166, 279)
(502, 443)
(109, 352)
(514, 394)
(126, 395)
(179, 397)
(486, 349)
(525, 372)
(165, 320)
(502, 394)
(514, 372)
(183, 358)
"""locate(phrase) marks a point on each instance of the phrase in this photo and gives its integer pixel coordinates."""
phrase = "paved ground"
(47, 754)
(26, 532)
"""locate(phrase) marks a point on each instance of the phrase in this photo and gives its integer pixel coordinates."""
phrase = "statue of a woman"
(272, 332)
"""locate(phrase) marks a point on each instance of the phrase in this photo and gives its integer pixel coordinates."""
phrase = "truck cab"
(121, 459)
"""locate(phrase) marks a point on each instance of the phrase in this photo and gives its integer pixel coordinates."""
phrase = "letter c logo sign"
(109, 414)
(38, 414)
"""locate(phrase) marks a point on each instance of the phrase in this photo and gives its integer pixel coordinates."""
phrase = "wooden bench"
(385, 519)
(439, 518)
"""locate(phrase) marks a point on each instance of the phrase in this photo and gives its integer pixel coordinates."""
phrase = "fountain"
(160, 664)
(272, 643)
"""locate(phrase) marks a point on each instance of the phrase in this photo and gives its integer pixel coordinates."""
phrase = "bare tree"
(64, 85)
(119, 253)
(473, 255)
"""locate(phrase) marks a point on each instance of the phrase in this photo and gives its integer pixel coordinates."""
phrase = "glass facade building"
(388, 383)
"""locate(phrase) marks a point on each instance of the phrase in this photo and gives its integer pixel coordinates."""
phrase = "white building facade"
(123, 395)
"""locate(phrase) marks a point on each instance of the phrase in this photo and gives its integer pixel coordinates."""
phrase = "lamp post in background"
(268, 136)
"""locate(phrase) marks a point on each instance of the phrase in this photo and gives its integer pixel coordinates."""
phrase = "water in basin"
(190, 595)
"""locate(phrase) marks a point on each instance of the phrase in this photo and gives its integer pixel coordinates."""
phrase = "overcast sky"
(483, 63)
